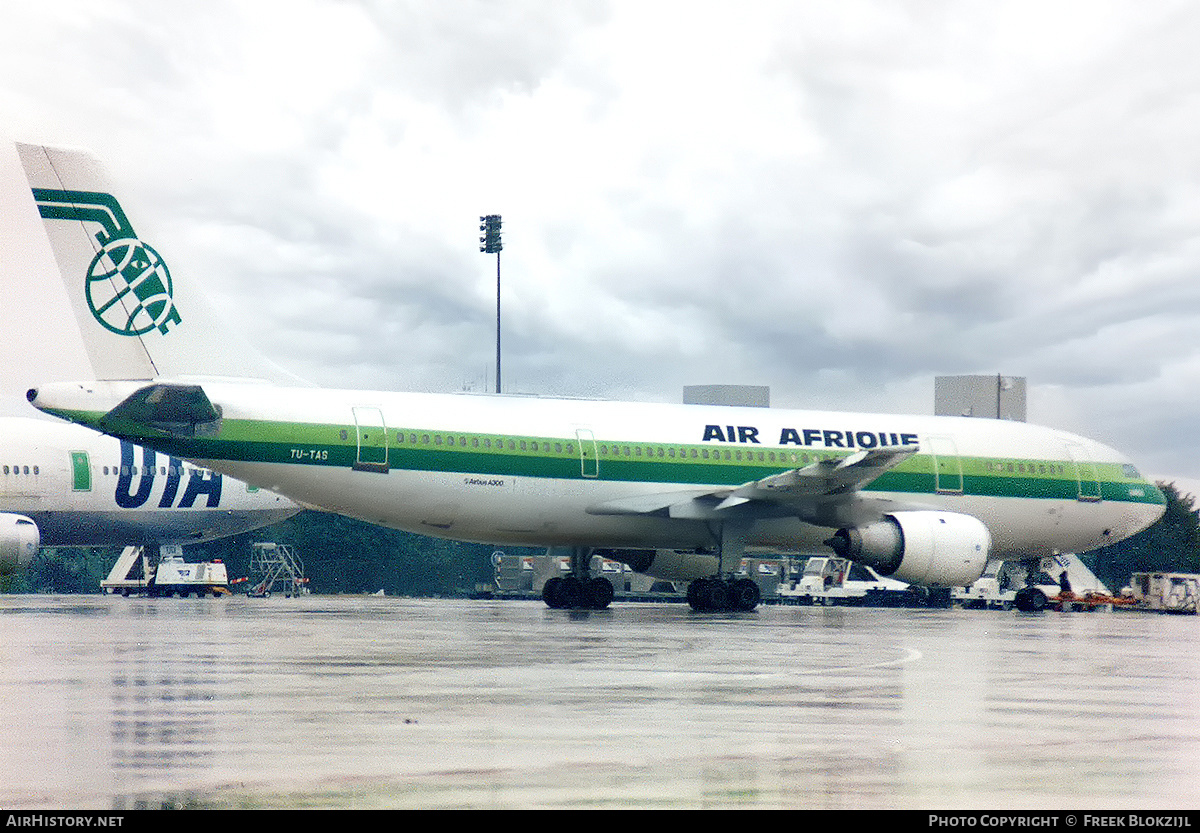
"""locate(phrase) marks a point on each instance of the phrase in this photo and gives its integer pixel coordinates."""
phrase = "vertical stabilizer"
(138, 320)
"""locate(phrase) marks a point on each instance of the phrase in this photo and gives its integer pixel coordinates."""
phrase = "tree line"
(340, 555)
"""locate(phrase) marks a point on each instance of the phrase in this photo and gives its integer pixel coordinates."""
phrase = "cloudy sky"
(840, 200)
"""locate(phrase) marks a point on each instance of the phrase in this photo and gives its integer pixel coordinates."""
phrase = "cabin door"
(947, 468)
(589, 458)
(372, 440)
(1086, 475)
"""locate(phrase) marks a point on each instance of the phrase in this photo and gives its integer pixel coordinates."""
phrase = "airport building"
(994, 397)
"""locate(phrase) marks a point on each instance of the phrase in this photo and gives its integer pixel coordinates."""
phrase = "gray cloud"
(838, 200)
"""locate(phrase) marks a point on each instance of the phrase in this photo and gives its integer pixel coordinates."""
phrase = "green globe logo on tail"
(128, 285)
(129, 289)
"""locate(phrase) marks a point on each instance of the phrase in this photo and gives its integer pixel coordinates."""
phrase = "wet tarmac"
(364, 702)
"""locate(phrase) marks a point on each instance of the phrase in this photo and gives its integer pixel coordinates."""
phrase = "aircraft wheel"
(716, 595)
(571, 593)
(599, 593)
(1030, 600)
(745, 595)
(551, 594)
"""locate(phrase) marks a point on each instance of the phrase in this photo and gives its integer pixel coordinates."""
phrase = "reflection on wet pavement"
(373, 702)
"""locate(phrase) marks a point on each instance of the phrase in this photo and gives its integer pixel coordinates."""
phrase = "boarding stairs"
(272, 564)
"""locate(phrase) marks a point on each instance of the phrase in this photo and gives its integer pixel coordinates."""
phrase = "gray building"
(995, 397)
(755, 396)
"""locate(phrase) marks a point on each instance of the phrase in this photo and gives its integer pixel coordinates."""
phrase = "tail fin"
(137, 319)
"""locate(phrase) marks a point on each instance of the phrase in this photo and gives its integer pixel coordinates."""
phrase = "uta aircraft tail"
(138, 320)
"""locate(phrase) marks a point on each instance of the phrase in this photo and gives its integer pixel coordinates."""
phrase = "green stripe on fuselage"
(559, 458)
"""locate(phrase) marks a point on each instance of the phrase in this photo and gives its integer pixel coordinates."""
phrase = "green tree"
(340, 555)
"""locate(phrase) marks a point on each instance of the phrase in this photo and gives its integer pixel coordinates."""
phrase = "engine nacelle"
(934, 549)
(19, 542)
(668, 565)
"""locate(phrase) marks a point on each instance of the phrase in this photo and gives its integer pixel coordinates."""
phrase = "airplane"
(676, 491)
(66, 486)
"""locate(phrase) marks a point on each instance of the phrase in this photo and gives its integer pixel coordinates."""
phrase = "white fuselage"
(534, 471)
(84, 489)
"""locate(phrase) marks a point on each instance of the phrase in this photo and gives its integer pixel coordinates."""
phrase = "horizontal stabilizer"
(178, 410)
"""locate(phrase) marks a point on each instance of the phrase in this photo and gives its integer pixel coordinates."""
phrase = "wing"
(826, 493)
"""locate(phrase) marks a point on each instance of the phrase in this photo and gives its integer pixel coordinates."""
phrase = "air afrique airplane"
(676, 491)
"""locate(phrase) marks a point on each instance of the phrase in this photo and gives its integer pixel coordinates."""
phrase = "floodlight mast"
(489, 243)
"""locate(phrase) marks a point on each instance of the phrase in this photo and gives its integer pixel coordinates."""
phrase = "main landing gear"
(579, 590)
(723, 592)
(572, 593)
(709, 595)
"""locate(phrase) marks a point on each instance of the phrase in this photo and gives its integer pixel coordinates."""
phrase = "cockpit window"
(1131, 471)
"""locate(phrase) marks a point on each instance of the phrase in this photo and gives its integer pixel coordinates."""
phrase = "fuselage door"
(1086, 475)
(372, 440)
(589, 458)
(947, 468)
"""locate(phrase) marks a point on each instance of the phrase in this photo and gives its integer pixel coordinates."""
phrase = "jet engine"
(934, 549)
(668, 565)
(19, 542)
